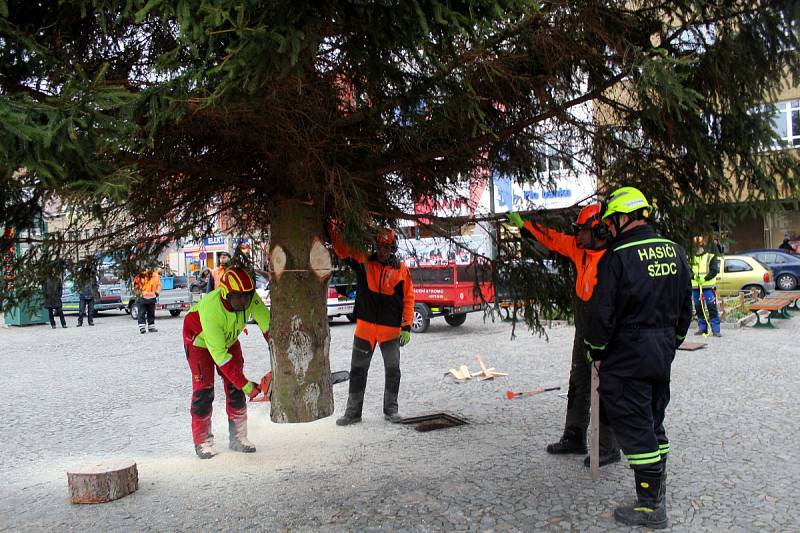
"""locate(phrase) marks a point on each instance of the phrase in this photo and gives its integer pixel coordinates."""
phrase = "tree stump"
(102, 482)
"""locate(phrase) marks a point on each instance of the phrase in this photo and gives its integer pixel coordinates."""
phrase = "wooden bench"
(775, 306)
(791, 295)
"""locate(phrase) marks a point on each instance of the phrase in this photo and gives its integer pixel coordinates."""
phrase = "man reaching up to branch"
(384, 312)
(585, 250)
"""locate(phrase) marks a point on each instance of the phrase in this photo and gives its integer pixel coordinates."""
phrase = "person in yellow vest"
(705, 267)
(147, 286)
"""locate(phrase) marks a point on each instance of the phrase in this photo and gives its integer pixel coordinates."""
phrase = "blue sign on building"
(214, 240)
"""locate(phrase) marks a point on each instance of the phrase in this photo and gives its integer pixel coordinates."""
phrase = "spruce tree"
(153, 120)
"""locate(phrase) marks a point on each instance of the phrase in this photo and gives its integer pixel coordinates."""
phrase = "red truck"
(450, 291)
(449, 284)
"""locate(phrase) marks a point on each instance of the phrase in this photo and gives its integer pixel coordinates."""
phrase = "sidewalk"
(84, 394)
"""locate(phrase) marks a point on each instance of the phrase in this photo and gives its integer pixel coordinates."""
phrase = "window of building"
(786, 121)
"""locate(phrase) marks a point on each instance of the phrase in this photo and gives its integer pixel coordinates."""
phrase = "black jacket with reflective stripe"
(643, 299)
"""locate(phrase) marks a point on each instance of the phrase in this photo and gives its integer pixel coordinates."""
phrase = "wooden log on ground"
(102, 482)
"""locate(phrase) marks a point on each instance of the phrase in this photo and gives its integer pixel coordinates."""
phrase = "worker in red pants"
(211, 332)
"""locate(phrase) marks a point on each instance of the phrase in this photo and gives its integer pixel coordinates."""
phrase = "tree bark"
(299, 333)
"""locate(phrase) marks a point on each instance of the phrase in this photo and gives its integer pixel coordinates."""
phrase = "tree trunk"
(299, 333)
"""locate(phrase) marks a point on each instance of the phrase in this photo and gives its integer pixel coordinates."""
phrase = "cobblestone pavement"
(80, 395)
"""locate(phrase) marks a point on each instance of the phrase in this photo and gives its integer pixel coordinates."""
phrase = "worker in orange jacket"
(224, 258)
(147, 286)
(585, 250)
(384, 311)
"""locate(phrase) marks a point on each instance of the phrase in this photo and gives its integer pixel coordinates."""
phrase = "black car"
(785, 266)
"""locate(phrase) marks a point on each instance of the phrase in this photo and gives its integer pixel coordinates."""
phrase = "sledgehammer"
(511, 395)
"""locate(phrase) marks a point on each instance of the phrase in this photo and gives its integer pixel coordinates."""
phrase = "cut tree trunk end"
(299, 334)
(102, 482)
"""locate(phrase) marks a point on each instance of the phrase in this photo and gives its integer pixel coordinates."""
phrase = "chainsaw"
(266, 384)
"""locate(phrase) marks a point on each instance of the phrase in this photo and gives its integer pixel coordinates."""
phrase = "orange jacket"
(147, 286)
(585, 260)
(217, 274)
(384, 293)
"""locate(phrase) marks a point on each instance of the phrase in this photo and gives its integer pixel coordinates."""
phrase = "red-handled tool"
(511, 395)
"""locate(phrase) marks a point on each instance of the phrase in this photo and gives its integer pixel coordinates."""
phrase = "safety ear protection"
(600, 232)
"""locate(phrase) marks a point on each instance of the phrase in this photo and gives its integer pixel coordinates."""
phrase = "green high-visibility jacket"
(705, 268)
(221, 328)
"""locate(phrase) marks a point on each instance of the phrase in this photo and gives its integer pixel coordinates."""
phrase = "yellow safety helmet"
(626, 200)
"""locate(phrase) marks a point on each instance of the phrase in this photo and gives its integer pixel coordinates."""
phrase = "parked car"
(109, 299)
(785, 266)
(341, 297)
(744, 273)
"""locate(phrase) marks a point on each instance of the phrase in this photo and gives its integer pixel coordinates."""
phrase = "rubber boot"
(573, 441)
(649, 509)
(352, 415)
(237, 432)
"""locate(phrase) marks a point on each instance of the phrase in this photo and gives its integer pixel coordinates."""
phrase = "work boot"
(237, 431)
(573, 441)
(700, 332)
(348, 420)
(352, 414)
(394, 418)
(649, 509)
(206, 450)
(717, 334)
(606, 456)
(662, 495)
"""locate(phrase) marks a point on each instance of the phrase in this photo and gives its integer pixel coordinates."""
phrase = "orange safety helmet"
(589, 216)
(236, 279)
(386, 237)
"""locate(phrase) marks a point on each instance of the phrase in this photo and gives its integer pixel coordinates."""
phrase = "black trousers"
(359, 367)
(53, 312)
(86, 309)
(579, 396)
(636, 409)
(147, 311)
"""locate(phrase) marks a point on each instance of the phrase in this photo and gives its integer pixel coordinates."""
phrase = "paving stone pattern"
(88, 394)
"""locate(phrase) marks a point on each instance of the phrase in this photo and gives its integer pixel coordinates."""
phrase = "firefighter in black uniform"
(639, 313)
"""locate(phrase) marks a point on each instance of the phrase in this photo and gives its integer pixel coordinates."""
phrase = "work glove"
(405, 337)
(709, 277)
(514, 219)
(251, 389)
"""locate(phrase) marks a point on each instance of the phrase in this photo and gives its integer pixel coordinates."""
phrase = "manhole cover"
(434, 421)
